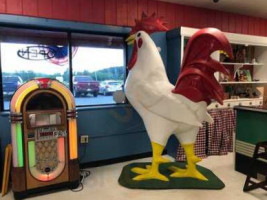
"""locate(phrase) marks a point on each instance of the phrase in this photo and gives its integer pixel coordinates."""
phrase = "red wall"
(123, 13)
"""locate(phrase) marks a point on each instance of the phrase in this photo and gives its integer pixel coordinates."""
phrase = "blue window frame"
(91, 64)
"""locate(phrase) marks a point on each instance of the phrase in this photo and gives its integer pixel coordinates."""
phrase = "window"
(98, 68)
(27, 54)
(98, 63)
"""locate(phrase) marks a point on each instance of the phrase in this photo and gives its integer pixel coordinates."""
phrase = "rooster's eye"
(139, 34)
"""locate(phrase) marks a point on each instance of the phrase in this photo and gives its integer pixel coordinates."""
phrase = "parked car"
(85, 85)
(110, 86)
(10, 85)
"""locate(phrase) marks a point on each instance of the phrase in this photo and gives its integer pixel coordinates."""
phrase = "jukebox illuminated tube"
(73, 139)
(19, 145)
(31, 153)
(61, 149)
(14, 145)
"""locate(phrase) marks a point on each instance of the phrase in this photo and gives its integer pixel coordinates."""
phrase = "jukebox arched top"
(43, 83)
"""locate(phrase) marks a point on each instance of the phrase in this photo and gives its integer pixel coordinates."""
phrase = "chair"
(249, 184)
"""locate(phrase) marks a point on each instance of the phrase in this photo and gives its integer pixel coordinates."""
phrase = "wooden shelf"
(230, 63)
(248, 82)
(230, 103)
(242, 99)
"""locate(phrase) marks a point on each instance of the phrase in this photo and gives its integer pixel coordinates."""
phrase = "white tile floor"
(103, 185)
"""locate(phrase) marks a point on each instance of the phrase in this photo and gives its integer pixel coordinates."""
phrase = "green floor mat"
(213, 183)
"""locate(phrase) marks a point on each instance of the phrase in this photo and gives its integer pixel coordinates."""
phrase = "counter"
(251, 128)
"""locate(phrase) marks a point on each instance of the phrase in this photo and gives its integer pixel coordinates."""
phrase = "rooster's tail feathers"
(197, 81)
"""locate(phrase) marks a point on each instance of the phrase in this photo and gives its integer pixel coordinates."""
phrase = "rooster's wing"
(158, 99)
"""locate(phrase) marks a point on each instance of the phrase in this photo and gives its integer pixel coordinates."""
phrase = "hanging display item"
(44, 138)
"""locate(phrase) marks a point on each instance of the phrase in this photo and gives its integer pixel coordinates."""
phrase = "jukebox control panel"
(46, 144)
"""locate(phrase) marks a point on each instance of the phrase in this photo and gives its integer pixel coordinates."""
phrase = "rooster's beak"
(130, 39)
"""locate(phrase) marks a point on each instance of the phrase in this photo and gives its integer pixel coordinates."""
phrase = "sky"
(91, 59)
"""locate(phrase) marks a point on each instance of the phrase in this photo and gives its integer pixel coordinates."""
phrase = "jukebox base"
(20, 190)
(43, 190)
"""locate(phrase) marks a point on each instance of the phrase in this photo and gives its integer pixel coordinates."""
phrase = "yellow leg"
(191, 170)
(152, 172)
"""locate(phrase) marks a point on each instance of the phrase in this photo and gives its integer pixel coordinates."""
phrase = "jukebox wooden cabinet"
(44, 138)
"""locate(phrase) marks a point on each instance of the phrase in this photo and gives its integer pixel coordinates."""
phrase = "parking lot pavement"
(90, 100)
(82, 101)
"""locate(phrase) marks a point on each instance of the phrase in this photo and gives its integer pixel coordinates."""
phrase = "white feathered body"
(150, 93)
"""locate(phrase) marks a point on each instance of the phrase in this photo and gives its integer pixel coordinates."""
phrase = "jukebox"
(44, 138)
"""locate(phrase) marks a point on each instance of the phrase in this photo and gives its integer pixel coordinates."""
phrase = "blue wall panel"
(102, 148)
(174, 54)
(109, 121)
(114, 132)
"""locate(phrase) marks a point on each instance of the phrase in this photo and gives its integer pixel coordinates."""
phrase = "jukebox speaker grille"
(46, 156)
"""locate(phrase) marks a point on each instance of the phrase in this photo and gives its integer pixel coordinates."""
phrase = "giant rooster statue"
(167, 109)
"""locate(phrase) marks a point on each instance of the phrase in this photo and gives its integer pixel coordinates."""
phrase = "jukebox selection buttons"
(59, 133)
(43, 134)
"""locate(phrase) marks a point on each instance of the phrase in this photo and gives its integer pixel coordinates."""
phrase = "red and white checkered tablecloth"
(229, 119)
(216, 138)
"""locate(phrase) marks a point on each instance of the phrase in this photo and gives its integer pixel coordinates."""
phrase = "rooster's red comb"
(149, 24)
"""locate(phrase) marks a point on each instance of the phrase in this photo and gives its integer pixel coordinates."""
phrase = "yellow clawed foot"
(191, 173)
(146, 174)
(177, 169)
(151, 175)
(139, 170)
(191, 170)
(152, 171)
